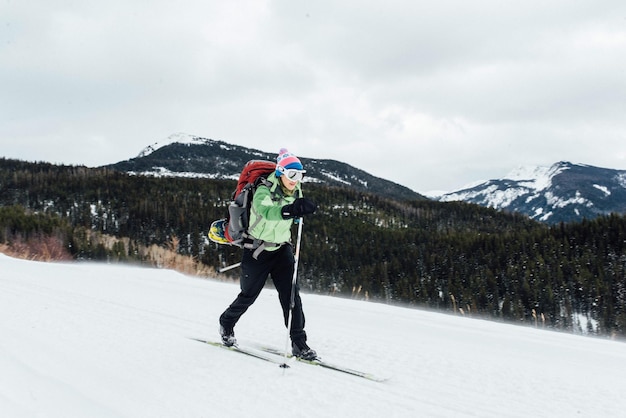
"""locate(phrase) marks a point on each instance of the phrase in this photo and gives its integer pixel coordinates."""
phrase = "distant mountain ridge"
(563, 192)
(185, 155)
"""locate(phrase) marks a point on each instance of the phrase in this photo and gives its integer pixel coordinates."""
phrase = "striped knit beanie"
(286, 160)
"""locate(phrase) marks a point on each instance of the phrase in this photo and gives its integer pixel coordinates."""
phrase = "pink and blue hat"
(285, 161)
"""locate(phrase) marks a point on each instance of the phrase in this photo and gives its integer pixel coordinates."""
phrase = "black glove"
(300, 207)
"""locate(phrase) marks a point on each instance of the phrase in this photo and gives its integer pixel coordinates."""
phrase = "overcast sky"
(429, 94)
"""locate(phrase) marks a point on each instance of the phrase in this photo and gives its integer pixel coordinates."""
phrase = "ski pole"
(232, 266)
(292, 302)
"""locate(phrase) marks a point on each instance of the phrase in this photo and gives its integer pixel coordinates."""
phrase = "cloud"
(430, 95)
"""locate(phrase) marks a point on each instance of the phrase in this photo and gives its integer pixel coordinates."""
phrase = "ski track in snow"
(94, 340)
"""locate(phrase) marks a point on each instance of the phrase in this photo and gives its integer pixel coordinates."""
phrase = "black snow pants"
(278, 265)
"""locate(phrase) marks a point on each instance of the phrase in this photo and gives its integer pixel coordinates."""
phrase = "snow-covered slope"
(90, 340)
(562, 192)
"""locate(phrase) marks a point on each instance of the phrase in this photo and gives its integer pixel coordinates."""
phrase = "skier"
(275, 205)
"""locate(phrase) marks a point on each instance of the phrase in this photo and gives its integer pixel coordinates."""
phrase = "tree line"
(453, 256)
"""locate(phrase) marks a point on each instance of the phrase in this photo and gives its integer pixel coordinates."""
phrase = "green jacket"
(266, 219)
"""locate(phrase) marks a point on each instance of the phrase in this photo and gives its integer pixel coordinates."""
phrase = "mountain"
(186, 155)
(564, 192)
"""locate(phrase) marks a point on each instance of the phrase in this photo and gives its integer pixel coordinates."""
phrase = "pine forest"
(454, 257)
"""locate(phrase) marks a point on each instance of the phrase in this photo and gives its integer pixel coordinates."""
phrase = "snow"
(537, 178)
(556, 202)
(95, 340)
(603, 189)
(180, 137)
(164, 172)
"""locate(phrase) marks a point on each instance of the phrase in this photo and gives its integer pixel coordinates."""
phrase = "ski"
(246, 351)
(273, 355)
(321, 363)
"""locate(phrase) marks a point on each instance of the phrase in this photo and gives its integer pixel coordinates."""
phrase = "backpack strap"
(259, 246)
(260, 181)
(256, 244)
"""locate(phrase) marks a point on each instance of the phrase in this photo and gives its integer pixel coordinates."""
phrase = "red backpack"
(254, 172)
(251, 171)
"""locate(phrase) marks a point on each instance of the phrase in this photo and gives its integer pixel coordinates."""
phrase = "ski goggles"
(293, 174)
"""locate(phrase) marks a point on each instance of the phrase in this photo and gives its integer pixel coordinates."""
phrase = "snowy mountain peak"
(180, 138)
(562, 192)
(537, 177)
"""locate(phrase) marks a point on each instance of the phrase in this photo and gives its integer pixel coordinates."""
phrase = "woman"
(269, 251)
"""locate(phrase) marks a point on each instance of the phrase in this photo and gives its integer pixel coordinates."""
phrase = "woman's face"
(289, 184)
